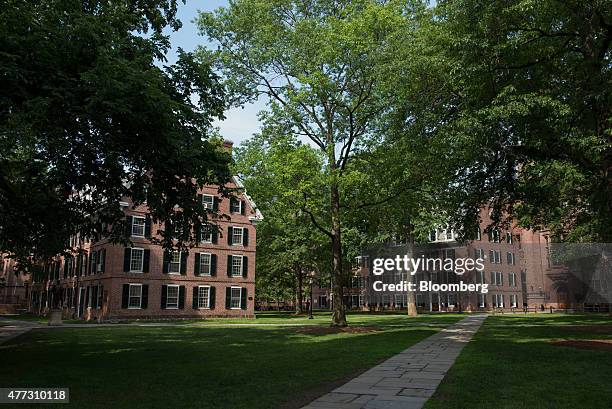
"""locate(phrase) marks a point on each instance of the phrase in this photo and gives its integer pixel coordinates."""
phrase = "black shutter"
(87, 263)
(194, 298)
(181, 297)
(229, 266)
(148, 227)
(94, 296)
(242, 207)
(245, 236)
(243, 298)
(127, 259)
(101, 296)
(215, 234)
(94, 263)
(200, 199)
(196, 264)
(213, 265)
(245, 266)
(144, 303)
(228, 298)
(212, 297)
(230, 231)
(163, 296)
(184, 256)
(216, 204)
(125, 296)
(66, 267)
(130, 223)
(166, 261)
(102, 260)
(88, 266)
(146, 258)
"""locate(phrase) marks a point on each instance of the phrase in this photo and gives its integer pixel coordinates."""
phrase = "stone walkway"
(408, 379)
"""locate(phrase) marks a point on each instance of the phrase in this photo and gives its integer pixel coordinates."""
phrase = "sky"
(240, 123)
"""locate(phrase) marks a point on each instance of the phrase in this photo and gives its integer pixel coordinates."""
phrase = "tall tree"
(319, 64)
(283, 176)
(518, 97)
(87, 117)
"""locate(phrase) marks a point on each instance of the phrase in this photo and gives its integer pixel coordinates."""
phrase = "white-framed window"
(479, 254)
(498, 300)
(136, 260)
(509, 237)
(497, 278)
(204, 296)
(174, 266)
(385, 300)
(135, 299)
(172, 297)
(401, 300)
(236, 295)
(236, 206)
(495, 256)
(478, 234)
(452, 299)
(138, 226)
(208, 201)
(237, 265)
(482, 301)
(237, 233)
(433, 235)
(205, 264)
(510, 258)
(512, 279)
(513, 301)
(206, 234)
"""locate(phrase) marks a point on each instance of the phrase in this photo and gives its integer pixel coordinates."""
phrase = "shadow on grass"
(135, 367)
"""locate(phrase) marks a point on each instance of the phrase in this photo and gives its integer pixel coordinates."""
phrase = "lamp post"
(311, 275)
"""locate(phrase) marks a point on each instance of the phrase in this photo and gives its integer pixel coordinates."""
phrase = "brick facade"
(112, 282)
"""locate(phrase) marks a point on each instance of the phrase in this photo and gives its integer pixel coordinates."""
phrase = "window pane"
(236, 297)
(204, 297)
(175, 262)
(208, 201)
(236, 265)
(137, 258)
(135, 293)
(204, 263)
(237, 235)
(138, 226)
(172, 294)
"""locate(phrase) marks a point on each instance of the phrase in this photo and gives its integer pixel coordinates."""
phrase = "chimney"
(227, 146)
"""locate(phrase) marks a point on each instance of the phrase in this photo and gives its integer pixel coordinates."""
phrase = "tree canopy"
(88, 116)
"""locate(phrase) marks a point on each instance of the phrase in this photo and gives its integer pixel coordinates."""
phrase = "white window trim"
(209, 265)
(206, 204)
(202, 232)
(240, 204)
(239, 299)
(207, 307)
(241, 264)
(241, 235)
(144, 227)
(179, 263)
(140, 298)
(178, 296)
(132, 257)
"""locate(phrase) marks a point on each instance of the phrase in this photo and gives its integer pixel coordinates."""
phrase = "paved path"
(10, 329)
(408, 379)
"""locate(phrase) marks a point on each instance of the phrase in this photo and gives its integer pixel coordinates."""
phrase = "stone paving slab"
(408, 379)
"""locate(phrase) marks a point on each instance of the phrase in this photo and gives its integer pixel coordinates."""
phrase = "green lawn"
(510, 363)
(190, 366)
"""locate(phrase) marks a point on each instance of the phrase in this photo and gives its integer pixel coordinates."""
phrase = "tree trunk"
(338, 314)
(410, 297)
(299, 290)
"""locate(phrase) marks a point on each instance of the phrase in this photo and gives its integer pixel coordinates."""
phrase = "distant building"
(517, 268)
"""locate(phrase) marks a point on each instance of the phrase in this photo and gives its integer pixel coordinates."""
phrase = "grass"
(190, 366)
(510, 363)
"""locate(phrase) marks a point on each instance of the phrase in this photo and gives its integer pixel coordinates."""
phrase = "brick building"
(14, 288)
(105, 281)
(517, 269)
